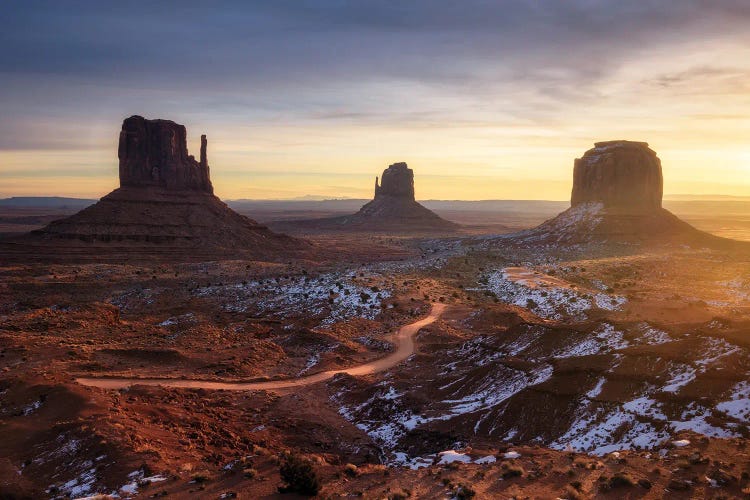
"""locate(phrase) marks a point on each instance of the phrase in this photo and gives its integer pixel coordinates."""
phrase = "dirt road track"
(404, 340)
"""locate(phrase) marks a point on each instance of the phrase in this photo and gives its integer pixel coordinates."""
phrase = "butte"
(392, 209)
(617, 198)
(164, 207)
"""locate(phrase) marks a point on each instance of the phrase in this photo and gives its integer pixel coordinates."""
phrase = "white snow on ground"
(681, 375)
(176, 320)
(599, 285)
(138, 478)
(28, 410)
(522, 342)
(694, 417)
(490, 394)
(643, 421)
(599, 432)
(511, 455)
(81, 485)
(609, 302)
(386, 434)
(586, 347)
(444, 457)
(583, 217)
(610, 338)
(311, 361)
(605, 339)
(639, 423)
(403, 460)
(738, 405)
(474, 350)
(332, 297)
(137, 297)
(548, 302)
(597, 389)
(716, 349)
(450, 456)
(652, 336)
(645, 407)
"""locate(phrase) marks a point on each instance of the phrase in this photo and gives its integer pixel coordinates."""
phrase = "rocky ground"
(601, 371)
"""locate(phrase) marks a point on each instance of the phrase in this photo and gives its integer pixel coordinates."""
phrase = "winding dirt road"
(404, 340)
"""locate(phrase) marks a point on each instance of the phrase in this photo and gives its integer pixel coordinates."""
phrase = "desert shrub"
(571, 493)
(300, 476)
(512, 471)
(620, 480)
(351, 470)
(200, 478)
(399, 495)
(464, 492)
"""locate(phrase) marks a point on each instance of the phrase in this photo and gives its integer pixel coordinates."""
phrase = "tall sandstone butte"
(616, 198)
(154, 153)
(622, 175)
(397, 181)
(165, 204)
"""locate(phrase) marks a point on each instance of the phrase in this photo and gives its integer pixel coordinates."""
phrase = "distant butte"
(164, 205)
(394, 206)
(616, 198)
(393, 209)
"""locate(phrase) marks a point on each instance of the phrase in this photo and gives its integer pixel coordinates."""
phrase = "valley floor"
(613, 371)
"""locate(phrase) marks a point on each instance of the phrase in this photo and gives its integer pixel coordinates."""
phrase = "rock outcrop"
(616, 198)
(623, 175)
(397, 182)
(154, 153)
(393, 209)
(165, 205)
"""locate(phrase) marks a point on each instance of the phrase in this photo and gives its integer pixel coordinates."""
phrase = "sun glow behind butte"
(483, 106)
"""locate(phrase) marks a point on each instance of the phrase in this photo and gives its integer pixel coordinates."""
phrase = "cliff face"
(154, 153)
(397, 181)
(623, 175)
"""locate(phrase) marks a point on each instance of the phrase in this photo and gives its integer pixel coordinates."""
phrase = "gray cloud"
(89, 62)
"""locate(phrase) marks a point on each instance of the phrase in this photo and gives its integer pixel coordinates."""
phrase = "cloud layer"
(494, 88)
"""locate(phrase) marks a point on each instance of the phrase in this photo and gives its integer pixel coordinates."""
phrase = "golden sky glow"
(490, 123)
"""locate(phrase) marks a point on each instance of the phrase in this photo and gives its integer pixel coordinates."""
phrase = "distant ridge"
(46, 201)
(705, 197)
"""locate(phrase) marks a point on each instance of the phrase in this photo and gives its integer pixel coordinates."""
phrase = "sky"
(483, 99)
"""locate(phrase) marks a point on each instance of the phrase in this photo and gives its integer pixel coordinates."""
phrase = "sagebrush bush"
(299, 475)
